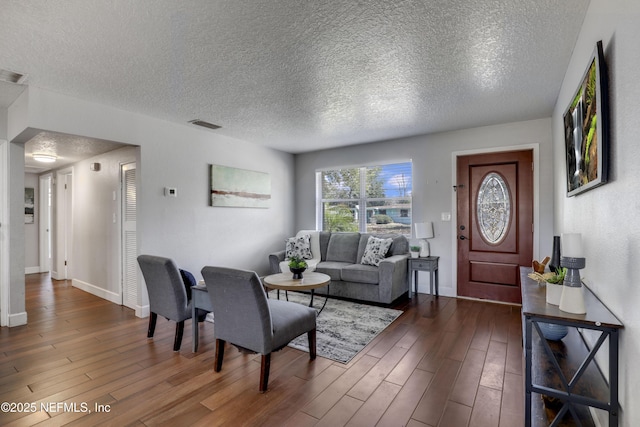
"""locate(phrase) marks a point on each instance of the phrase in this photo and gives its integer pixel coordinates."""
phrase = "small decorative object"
(539, 267)
(572, 300)
(424, 230)
(415, 251)
(553, 331)
(297, 266)
(554, 264)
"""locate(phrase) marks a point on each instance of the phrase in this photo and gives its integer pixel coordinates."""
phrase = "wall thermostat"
(169, 191)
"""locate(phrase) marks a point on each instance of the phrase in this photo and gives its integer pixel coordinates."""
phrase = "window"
(372, 199)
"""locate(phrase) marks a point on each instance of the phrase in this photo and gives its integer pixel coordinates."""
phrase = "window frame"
(362, 200)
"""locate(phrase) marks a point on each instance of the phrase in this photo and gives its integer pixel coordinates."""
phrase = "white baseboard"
(18, 319)
(423, 288)
(31, 270)
(97, 291)
(143, 311)
(56, 276)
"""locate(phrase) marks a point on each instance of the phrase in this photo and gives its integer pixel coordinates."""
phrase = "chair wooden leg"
(217, 362)
(178, 339)
(152, 325)
(312, 344)
(264, 372)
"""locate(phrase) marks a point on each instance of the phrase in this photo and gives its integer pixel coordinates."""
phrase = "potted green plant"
(297, 266)
(553, 280)
(415, 251)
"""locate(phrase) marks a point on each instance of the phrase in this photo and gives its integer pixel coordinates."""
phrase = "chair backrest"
(167, 294)
(240, 308)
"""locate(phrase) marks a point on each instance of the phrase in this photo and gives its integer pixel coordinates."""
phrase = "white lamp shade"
(572, 245)
(424, 230)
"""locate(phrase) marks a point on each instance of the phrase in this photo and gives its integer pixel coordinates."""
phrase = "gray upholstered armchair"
(167, 294)
(246, 318)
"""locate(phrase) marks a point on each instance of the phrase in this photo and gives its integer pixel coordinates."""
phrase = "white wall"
(607, 216)
(185, 228)
(31, 231)
(433, 171)
(96, 223)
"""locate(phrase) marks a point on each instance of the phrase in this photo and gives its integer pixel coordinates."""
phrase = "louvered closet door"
(129, 246)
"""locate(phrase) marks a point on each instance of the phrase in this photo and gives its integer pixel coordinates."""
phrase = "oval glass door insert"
(493, 208)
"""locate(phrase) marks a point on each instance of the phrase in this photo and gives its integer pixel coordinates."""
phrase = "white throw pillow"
(376, 250)
(298, 247)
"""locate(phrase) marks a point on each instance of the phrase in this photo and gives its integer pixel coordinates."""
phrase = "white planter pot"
(554, 292)
(415, 254)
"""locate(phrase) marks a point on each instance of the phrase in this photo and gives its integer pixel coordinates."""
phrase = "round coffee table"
(310, 282)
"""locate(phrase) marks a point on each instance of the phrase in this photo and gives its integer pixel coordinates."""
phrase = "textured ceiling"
(300, 75)
(68, 149)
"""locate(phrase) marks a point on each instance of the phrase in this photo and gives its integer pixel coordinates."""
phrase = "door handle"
(463, 238)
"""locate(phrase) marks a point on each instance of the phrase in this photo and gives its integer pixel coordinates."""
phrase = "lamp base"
(424, 249)
(572, 300)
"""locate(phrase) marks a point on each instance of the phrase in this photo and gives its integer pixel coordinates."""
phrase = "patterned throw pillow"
(299, 247)
(376, 250)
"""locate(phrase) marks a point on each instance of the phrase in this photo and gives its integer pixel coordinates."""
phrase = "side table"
(429, 264)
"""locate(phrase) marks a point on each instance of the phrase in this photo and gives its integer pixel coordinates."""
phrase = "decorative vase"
(572, 300)
(554, 292)
(415, 254)
(297, 272)
(553, 331)
(554, 264)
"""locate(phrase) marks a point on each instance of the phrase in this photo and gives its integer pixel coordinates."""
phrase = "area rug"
(343, 328)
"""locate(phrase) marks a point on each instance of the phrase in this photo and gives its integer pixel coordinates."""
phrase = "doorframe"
(4, 223)
(454, 205)
(64, 235)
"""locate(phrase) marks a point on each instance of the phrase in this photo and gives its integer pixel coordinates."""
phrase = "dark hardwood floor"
(444, 362)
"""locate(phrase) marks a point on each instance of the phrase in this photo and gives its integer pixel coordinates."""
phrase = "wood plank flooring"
(444, 362)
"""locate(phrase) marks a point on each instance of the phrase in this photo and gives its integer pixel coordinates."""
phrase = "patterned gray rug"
(343, 328)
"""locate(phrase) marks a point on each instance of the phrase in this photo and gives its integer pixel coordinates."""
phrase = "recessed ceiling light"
(44, 157)
(204, 124)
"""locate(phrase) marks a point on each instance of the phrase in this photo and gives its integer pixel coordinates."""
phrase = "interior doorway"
(62, 254)
(494, 197)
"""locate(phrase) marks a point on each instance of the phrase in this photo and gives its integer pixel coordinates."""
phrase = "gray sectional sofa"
(341, 258)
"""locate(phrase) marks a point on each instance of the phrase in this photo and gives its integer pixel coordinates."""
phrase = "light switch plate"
(445, 216)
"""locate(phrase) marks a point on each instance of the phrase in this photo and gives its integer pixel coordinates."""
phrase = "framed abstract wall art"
(232, 187)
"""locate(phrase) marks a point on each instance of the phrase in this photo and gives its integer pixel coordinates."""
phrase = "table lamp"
(572, 299)
(424, 231)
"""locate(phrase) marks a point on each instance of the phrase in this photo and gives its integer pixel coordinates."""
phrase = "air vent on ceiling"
(12, 77)
(204, 124)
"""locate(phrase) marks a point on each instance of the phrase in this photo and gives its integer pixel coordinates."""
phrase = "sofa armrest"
(274, 261)
(393, 277)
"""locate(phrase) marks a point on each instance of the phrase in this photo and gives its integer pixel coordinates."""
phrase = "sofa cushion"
(299, 246)
(375, 251)
(343, 247)
(332, 268)
(360, 273)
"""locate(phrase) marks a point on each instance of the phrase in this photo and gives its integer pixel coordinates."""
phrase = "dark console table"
(562, 379)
